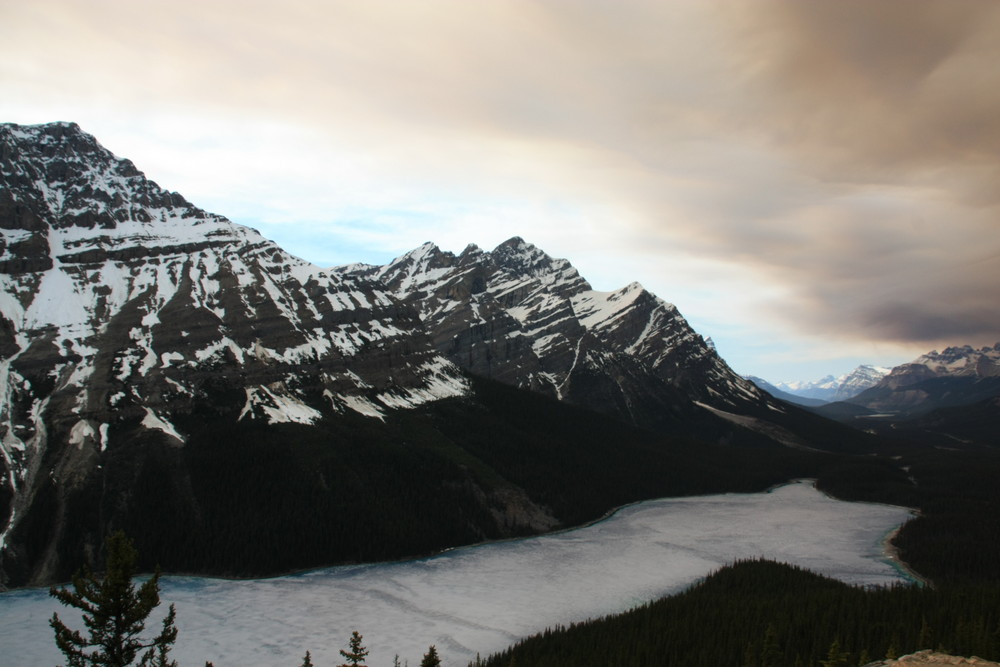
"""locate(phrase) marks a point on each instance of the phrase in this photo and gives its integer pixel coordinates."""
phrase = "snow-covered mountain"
(858, 380)
(960, 361)
(519, 316)
(123, 308)
(840, 388)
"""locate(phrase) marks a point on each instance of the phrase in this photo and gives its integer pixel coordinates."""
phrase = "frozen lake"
(483, 598)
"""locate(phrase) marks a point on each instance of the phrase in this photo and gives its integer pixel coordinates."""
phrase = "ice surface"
(483, 598)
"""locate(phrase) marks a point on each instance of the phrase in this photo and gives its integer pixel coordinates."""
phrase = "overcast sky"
(814, 184)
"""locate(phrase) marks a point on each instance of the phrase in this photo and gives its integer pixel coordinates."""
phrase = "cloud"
(827, 167)
(893, 109)
(879, 87)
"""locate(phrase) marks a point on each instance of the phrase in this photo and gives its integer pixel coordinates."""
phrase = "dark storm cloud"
(889, 115)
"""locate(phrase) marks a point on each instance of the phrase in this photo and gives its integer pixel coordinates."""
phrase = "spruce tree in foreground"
(115, 614)
(431, 658)
(356, 656)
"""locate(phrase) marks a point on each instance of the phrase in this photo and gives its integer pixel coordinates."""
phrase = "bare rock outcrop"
(930, 658)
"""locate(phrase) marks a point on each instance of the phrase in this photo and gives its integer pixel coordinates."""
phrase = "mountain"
(956, 376)
(129, 315)
(858, 380)
(945, 399)
(521, 317)
(239, 411)
(763, 384)
(830, 388)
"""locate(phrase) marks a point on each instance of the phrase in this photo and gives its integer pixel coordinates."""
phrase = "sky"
(814, 184)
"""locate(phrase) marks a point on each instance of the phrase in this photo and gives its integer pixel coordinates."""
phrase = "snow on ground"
(483, 598)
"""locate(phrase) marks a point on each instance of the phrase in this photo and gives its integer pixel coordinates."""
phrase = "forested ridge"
(765, 614)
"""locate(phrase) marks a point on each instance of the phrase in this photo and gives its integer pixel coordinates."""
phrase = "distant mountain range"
(789, 397)
(942, 398)
(168, 372)
(955, 376)
(829, 388)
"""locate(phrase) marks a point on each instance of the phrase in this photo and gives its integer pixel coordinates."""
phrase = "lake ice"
(483, 598)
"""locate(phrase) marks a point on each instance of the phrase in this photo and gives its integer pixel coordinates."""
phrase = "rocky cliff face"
(124, 308)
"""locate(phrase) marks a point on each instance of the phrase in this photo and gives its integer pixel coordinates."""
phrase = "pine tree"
(307, 661)
(115, 614)
(431, 658)
(356, 656)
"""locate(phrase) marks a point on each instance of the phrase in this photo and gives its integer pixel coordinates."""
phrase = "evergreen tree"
(115, 614)
(770, 652)
(431, 658)
(355, 657)
(307, 661)
(835, 657)
(926, 637)
(893, 651)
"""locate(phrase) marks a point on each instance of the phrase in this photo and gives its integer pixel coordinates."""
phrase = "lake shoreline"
(890, 552)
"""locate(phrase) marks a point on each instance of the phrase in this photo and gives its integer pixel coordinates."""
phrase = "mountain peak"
(517, 249)
(471, 249)
(425, 249)
(514, 242)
